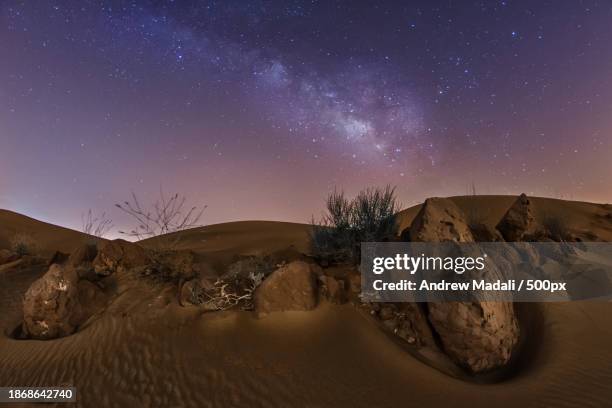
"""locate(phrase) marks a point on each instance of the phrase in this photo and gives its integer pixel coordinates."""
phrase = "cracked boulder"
(478, 335)
(119, 256)
(51, 306)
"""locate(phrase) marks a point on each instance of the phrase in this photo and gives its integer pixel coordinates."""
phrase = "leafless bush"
(166, 215)
(96, 226)
(23, 244)
(226, 294)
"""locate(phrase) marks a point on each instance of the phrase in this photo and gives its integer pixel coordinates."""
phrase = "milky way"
(260, 108)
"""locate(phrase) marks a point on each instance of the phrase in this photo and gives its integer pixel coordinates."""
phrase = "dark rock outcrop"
(518, 220)
(477, 335)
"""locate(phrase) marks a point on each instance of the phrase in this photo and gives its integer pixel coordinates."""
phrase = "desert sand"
(144, 349)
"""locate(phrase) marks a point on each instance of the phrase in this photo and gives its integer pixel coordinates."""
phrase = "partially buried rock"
(291, 287)
(119, 256)
(51, 306)
(439, 220)
(478, 335)
(518, 220)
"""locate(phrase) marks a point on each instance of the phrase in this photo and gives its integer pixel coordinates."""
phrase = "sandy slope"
(145, 350)
(48, 237)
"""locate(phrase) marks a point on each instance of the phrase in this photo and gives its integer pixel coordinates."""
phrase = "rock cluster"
(477, 335)
(56, 304)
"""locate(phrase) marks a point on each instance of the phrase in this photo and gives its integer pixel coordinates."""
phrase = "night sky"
(260, 108)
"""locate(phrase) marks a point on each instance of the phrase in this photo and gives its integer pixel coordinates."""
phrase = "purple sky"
(259, 109)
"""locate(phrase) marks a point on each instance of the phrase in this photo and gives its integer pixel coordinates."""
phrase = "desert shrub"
(369, 217)
(556, 228)
(23, 244)
(167, 215)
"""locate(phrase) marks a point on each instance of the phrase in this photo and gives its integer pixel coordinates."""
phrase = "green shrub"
(369, 217)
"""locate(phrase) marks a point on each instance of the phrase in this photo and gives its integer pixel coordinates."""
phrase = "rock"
(291, 287)
(51, 306)
(333, 289)
(119, 256)
(7, 256)
(478, 335)
(485, 233)
(58, 257)
(440, 220)
(83, 254)
(518, 220)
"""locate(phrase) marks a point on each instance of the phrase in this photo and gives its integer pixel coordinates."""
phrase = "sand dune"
(48, 237)
(146, 350)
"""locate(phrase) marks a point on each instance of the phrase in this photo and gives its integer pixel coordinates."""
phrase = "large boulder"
(51, 306)
(119, 256)
(440, 220)
(291, 287)
(518, 220)
(479, 336)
